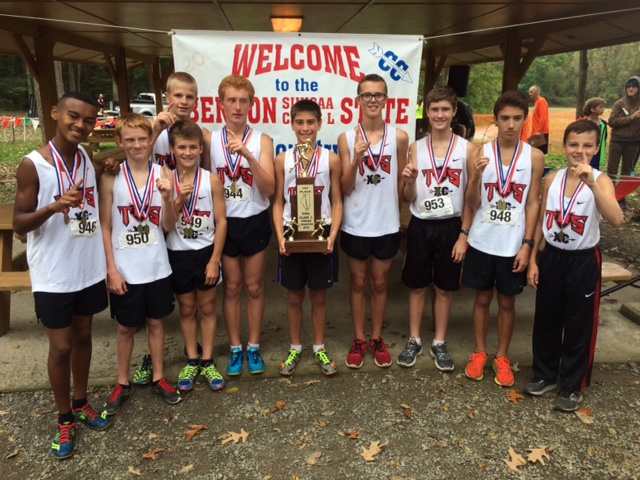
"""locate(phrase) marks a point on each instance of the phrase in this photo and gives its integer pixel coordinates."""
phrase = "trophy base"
(306, 246)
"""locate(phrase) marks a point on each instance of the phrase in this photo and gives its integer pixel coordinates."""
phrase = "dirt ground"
(432, 425)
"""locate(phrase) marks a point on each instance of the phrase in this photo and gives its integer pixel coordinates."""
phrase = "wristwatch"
(465, 231)
(527, 242)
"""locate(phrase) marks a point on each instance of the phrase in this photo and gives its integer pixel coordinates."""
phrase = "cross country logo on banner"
(285, 68)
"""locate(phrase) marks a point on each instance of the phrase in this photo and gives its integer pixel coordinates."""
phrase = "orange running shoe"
(504, 375)
(475, 367)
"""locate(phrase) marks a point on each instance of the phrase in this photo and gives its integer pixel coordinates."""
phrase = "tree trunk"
(582, 82)
(79, 77)
(71, 77)
(59, 80)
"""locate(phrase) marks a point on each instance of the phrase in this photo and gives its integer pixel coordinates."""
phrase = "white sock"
(236, 346)
(253, 345)
(417, 340)
(317, 348)
(436, 342)
(296, 347)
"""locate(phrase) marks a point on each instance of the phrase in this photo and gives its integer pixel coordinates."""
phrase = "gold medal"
(66, 219)
(234, 188)
(561, 236)
(188, 232)
(502, 205)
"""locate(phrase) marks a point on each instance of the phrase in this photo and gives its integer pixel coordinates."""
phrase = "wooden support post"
(118, 73)
(512, 51)
(432, 70)
(156, 83)
(45, 76)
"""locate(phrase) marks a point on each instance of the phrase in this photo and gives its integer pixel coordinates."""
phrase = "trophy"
(305, 230)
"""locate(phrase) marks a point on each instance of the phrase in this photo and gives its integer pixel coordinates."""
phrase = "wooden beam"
(529, 57)
(46, 79)
(122, 81)
(25, 53)
(156, 83)
(432, 70)
(511, 50)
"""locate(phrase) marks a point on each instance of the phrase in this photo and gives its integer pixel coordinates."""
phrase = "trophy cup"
(305, 230)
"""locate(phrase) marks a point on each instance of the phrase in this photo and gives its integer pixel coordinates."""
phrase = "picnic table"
(10, 280)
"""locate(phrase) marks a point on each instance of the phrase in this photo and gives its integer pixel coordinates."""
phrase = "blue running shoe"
(187, 377)
(235, 363)
(256, 364)
(64, 441)
(213, 376)
(91, 418)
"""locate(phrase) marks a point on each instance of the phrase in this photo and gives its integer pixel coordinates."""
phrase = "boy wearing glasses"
(373, 155)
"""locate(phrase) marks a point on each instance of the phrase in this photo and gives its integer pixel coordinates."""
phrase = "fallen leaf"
(513, 397)
(152, 455)
(406, 409)
(313, 458)
(232, 390)
(482, 465)
(445, 376)
(516, 460)
(12, 454)
(3, 412)
(105, 343)
(311, 382)
(15, 347)
(636, 441)
(538, 454)
(374, 449)
(168, 418)
(266, 477)
(584, 415)
(194, 430)
(470, 412)
(153, 436)
(134, 471)
(323, 424)
(445, 408)
(279, 406)
(592, 451)
(235, 437)
(186, 469)
(514, 367)
(612, 431)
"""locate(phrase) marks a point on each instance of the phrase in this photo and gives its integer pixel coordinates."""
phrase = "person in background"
(593, 109)
(625, 132)
(539, 117)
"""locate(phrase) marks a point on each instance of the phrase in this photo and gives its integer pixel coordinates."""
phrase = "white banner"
(285, 68)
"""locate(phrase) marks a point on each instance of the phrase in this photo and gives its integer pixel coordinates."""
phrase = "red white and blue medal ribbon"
(141, 204)
(567, 207)
(233, 164)
(189, 206)
(375, 159)
(63, 174)
(312, 168)
(441, 173)
(505, 179)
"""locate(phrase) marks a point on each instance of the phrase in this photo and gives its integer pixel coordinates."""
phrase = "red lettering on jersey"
(516, 190)
(245, 174)
(576, 222)
(451, 174)
(89, 196)
(126, 213)
(385, 164)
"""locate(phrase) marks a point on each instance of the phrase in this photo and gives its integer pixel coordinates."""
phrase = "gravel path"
(450, 427)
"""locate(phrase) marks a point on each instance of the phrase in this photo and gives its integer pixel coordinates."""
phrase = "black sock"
(66, 418)
(155, 382)
(76, 404)
(193, 361)
(126, 387)
(203, 362)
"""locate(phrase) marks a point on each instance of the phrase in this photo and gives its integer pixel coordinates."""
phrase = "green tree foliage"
(485, 83)
(13, 84)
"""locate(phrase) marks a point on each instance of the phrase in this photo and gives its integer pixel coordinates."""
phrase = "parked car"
(145, 103)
